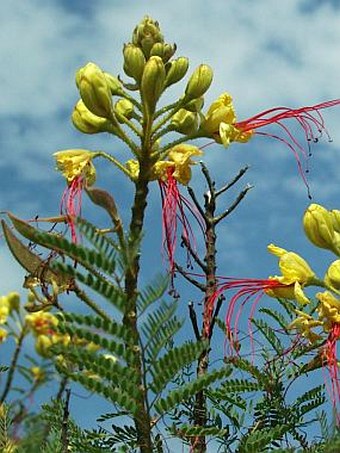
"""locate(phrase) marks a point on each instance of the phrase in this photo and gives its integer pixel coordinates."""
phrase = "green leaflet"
(166, 368)
(190, 389)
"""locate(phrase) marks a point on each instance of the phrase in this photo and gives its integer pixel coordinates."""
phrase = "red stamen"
(173, 210)
(71, 203)
(308, 118)
(331, 362)
(247, 289)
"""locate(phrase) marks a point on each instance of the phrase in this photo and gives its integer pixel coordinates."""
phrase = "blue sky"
(264, 53)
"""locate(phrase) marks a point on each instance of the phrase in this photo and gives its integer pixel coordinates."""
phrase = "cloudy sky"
(264, 53)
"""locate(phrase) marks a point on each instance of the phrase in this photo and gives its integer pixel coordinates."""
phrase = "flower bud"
(146, 34)
(318, 226)
(199, 82)
(13, 300)
(165, 51)
(195, 105)
(134, 62)
(332, 277)
(185, 122)
(124, 107)
(114, 84)
(94, 90)
(152, 84)
(87, 122)
(335, 213)
(176, 70)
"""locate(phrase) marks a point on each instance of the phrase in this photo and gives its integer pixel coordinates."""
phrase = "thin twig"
(193, 319)
(219, 302)
(210, 182)
(64, 426)
(238, 200)
(193, 254)
(13, 365)
(198, 285)
(196, 203)
(232, 182)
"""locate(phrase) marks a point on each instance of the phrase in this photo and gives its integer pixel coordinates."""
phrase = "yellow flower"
(304, 323)
(3, 335)
(132, 166)
(328, 309)
(220, 122)
(292, 266)
(179, 159)
(42, 323)
(76, 162)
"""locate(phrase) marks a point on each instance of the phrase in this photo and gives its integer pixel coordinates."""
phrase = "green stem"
(115, 162)
(90, 303)
(13, 365)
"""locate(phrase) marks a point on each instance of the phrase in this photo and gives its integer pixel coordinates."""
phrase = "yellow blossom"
(293, 267)
(328, 309)
(179, 159)
(42, 323)
(76, 162)
(304, 323)
(220, 122)
(132, 165)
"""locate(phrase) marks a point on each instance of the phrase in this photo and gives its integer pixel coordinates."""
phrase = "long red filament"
(71, 204)
(173, 210)
(331, 362)
(308, 118)
(247, 289)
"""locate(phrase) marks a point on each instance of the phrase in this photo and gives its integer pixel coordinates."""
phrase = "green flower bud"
(13, 300)
(195, 105)
(146, 34)
(88, 123)
(318, 226)
(134, 62)
(152, 84)
(199, 82)
(185, 122)
(176, 70)
(335, 213)
(332, 277)
(94, 90)
(165, 51)
(114, 84)
(124, 107)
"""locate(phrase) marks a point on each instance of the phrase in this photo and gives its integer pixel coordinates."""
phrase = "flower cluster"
(108, 104)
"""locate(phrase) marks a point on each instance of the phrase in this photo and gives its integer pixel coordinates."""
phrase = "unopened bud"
(318, 226)
(94, 90)
(195, 105)
(152, 84)
(114, 84)
(185, 122)
(176, 70)
(146, 34)
(134, 62)
(13, 300)
(88, 123)
(124, 107)
(199, 82)
(165, 51)
(332, 277)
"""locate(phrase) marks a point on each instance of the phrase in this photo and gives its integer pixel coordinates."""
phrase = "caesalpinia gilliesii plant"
(159, 146)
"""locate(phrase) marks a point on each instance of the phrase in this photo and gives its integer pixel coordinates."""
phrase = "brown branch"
(232, 182)
(193, 319)
(194, 282)
(193, 254)
(231, 208)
